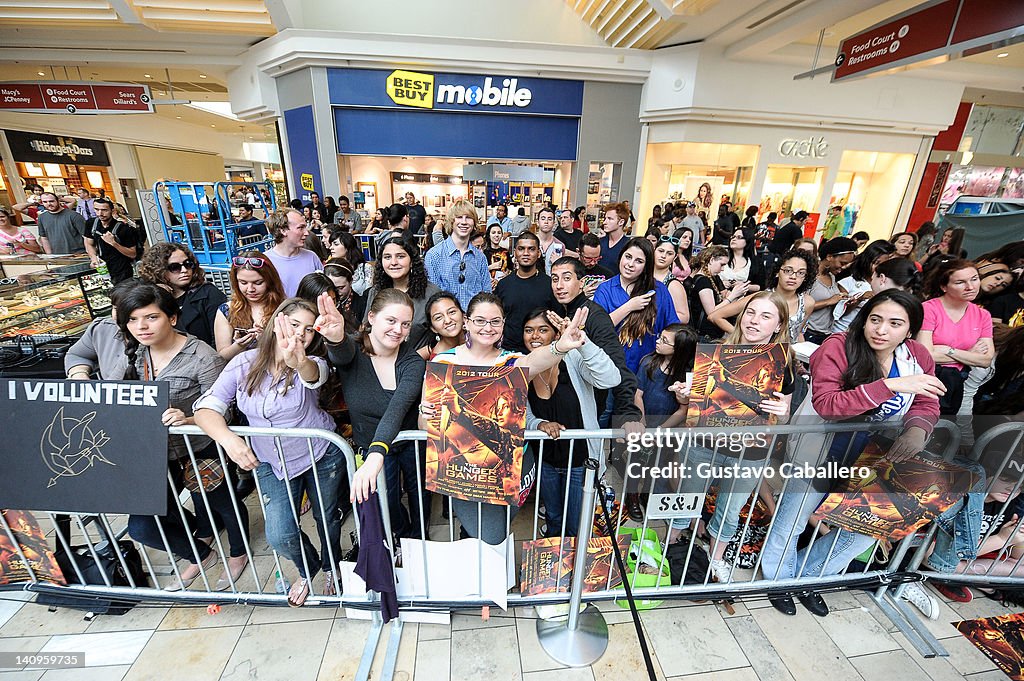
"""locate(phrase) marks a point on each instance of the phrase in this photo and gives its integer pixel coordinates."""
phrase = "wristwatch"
(950, 351)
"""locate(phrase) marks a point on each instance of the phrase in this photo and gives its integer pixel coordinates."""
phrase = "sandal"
(296, 599)
(329, 585)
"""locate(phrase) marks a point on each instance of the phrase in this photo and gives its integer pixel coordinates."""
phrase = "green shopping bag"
(644, 549)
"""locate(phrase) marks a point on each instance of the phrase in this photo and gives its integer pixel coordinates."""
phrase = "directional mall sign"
(75, 98)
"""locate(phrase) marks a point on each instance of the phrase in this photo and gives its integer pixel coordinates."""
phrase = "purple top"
(293, 268)
(271, 407)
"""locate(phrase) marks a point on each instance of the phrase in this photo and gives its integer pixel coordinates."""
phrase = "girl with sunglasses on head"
(744, 267)
(257, 291)
(792, 282)
(156, 351)
(485, 322)
(277, 384)
(174, 267)
(664, 258)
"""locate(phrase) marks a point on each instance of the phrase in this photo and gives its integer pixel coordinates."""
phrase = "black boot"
(783, 604)
(634, 507)
(814, 603)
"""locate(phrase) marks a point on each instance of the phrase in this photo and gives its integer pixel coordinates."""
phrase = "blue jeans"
(400, 473)
(829, 555)
(552, 493)
(281, 500)
(959, 530)
(733, 493)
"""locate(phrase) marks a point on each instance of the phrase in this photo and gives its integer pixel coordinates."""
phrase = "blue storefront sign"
(305, 164)
(418, 113)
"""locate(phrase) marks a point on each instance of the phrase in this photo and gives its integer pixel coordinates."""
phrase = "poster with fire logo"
(730, 381)
(84, 446)
(895, 499)
(1001, 638)
(34, 547)
(548, 564)
(475, 441)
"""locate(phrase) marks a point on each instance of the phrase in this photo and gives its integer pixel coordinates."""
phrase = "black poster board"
(83, 446)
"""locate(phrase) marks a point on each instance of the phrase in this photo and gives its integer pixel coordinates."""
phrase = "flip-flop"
(303, 594)
(329, 585)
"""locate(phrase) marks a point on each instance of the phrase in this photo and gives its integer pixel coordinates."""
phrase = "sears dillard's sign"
(84, 446)
(30, 147)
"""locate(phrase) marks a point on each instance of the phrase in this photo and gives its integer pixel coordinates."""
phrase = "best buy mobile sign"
(410, 88)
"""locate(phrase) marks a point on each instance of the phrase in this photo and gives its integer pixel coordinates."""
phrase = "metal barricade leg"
(582, 639)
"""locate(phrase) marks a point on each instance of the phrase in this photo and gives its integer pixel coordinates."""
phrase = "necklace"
(551, 374)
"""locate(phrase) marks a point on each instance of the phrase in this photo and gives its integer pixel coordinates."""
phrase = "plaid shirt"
(462, 274)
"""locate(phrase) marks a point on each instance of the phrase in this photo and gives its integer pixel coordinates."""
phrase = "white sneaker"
(721, 571)
(916, 595)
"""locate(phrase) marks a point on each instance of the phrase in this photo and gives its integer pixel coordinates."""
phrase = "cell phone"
(239, 333)
(593, 279)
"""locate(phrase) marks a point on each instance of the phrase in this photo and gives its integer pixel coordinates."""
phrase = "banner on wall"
(62, 97)
(35, 147)
(84, 446)
(302, 151)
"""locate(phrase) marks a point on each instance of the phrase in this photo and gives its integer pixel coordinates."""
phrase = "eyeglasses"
(176, 267)
(666, 239)
(790, 272)
(480, 322)
(462, 272)
(241, 261)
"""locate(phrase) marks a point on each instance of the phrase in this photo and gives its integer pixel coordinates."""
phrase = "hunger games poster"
(548, 564)
(475, 443)
(1001, 638)
(35, 548)
(730, 381)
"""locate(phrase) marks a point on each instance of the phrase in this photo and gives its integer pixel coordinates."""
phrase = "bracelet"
(79, 373)
(382, 444)
(555, 351)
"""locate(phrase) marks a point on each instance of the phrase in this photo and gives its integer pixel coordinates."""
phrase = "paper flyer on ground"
(895, 499)
(730, 381)
(548, 564)
(36, 549)
(475, 442)
(1001, 638)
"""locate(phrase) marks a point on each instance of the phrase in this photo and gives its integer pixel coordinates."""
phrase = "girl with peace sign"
(276, 385)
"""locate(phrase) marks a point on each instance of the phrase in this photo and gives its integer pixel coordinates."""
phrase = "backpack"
(93, 572)
(140, 238)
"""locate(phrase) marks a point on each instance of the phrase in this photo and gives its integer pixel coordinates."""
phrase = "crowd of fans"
(605, 323)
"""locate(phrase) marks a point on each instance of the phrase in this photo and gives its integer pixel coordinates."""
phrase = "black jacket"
(601, 330)
(198, 310)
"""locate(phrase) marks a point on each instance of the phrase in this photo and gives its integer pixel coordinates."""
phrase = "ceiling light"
(146, 75)
(40, 73)
(202, 75)
(213, 125)
(177, 116)
(1002, 54)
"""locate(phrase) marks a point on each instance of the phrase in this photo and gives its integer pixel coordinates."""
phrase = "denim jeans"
(552, 493)
(733, 493)
(959, 531)
(281, 500)
(400, 473)
(828, 555)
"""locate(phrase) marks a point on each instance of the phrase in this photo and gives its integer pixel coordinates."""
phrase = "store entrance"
(788, 189)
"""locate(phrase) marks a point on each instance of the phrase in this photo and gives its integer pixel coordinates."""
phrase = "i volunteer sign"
(75, 98)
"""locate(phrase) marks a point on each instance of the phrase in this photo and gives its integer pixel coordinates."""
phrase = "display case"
(52, 303)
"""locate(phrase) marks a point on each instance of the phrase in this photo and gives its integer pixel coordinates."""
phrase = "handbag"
(211, 474)
(107, 567)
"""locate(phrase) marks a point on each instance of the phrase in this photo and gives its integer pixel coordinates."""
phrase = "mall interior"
(778, 106)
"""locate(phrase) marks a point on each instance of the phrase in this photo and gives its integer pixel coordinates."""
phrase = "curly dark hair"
(153, 266)
(417, 270)
(812, 268)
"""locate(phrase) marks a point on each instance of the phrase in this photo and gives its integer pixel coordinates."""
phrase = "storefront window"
(788, 189)
(699, 172)
(870, 188)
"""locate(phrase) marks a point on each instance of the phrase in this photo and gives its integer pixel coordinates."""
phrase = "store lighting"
(146, 75)
(33, 170)
(95, 179)
(52, 170)
(1002, 55)
(213, 125)
(40, 73)
(178, 117)
(202, 75)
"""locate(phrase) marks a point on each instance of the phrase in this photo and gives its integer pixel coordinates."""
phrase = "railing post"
(582, 638)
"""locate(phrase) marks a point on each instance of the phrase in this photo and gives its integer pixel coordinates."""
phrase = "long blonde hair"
(735, 337)
(266, 348)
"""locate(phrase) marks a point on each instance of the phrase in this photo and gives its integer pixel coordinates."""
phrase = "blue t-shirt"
(659, 402)
(610, 254)
(610, 295)
(841, 449)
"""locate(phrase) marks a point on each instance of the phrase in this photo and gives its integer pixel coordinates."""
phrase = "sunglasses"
(666, 239)
(462, 272)
(176, 267)
(242, 261)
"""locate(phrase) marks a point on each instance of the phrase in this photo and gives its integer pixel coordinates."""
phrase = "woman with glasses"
(257, 291)
(401, 267)
(16, 240)
(486, 321)
(792, 282)
(664, 258)
(174, 267)
(639, 305)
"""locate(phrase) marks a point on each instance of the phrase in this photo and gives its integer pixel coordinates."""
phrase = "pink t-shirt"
(962, 335)
(18, 241)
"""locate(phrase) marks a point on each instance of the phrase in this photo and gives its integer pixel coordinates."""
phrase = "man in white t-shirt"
(291, 260)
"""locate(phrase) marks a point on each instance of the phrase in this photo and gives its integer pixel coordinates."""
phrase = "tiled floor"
(692, 642)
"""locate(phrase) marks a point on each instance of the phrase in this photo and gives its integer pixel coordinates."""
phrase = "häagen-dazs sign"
(811, 147)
